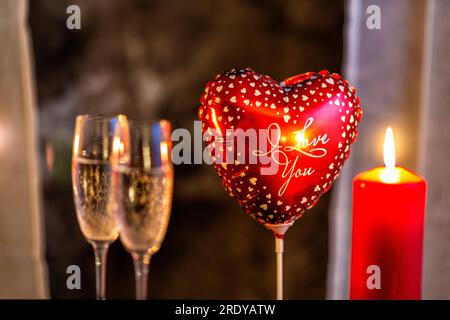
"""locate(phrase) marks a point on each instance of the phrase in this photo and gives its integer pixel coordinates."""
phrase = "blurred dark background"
(152, 59)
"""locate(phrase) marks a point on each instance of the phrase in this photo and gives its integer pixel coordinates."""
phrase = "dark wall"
(152, 59)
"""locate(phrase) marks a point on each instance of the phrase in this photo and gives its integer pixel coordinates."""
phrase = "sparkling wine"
(92, 194)
(144, 201)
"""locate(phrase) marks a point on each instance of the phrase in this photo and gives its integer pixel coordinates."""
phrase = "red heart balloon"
(305, 127)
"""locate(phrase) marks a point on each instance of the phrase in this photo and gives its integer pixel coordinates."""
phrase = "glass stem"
(279, 249)
(101, 253)
(141, 264)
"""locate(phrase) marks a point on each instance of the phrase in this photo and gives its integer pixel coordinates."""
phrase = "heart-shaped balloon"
(304, 127)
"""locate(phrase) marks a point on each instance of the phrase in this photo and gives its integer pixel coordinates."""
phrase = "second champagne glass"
(92, 190)
(143, 184)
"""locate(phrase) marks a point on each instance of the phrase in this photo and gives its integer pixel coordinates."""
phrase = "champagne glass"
(92, 188)
(143, 185)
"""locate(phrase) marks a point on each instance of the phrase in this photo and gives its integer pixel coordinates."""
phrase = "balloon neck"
(279, 229)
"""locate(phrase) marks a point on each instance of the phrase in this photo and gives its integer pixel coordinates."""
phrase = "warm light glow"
(300, 138)
(117, 146)
(122, 148)
(49, 156)
(390, 174)
(215, 121)
(164, 152)
(121, 140)
(118, 151)
(76, 144)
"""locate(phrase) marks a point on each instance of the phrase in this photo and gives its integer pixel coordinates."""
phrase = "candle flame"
(390, 174)
(389, 149)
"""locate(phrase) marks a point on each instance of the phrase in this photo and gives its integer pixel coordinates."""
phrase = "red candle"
(387, 231)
